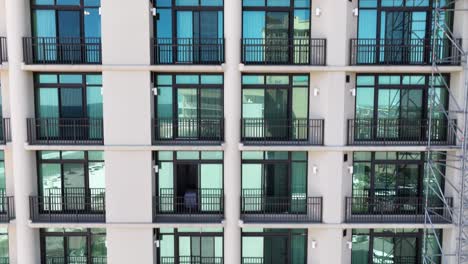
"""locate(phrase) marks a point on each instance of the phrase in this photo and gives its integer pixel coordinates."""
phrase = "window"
(66, 30)
(274, 178)
(190, 181)
(375, 246)
(275, 107)
(270, 28)
(71, 180)
(392, 174)
(397, 107)
(189, 107)
(4, 248)
(73, 245)
(263, 245)
(69, 106)
(190, 245)
(193, 27)
(399, 32)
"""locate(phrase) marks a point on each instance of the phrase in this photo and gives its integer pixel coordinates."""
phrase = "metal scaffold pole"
(436, 180)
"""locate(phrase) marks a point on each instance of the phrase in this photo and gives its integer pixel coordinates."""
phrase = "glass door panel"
(74, 186)
(97, 185)
(385, 180)
(253, 112)
(187, 113)
(252, 189)
(187, 187)
(383, 251)
(277, 191)
(51, 186)
(277, 125)
(388, 113)
(211, 113)
(276, 249)
(277, 37)
(69, 31)
(54, 249)
(185, 26)
(411, 109)
(95, 111)
(211, 185)
(45, 29)
(47, 109)
(72, 125)
(207, 34)
(77, 250)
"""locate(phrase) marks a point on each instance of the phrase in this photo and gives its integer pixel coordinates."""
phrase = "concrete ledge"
(123, 225)
(340, 226)
(243, 68)
(243, 147)
(123, 147)
(357, 69)
(123, 67)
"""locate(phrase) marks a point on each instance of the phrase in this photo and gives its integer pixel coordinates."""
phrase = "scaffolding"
(439, 161)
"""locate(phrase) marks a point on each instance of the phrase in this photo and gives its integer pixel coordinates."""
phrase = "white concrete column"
(22, 106)
(126, 28)
(232, 110)
(331, 246)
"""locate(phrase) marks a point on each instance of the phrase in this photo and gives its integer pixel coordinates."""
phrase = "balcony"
(260, 131)
(403, 52)
(74, 205)
(7, 208)
(264, 209)
(188, 51)
(75, 260)
(401, 132)
(190, 260)
(3, 50)
(394, 209)
(297, 51)
(198, 206)
(5, 132)
(65, 131)
(188, 131)
(65, 50)
(4, 260)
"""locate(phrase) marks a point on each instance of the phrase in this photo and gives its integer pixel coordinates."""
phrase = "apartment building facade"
(236, 131)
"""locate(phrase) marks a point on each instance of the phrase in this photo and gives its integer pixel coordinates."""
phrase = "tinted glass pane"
(69, 24)
(98, 246)
(301, 3)
(44, 23)
(253, 103)
(164, 106)
(164, 24)
(92, 2)
(253, 2)
(212, 2)
(211, 103)
(360, 250)
(43, 2)
(278, 2)
(187, 2)
(367, 24)
(54, 247)
(92, 22)
(253, 24)
(47, 102)
(72, 103)
(68, 2)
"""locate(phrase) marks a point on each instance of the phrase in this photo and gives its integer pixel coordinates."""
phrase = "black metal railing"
(191, 260)
(62, 50)
(202, 205)
(65, 131)
(188, 131)
(395, 209)
(7, 207)
(5, 131)
(188, 51)
(3, 50)
(260, 131)
(403, 52)
(302, 51)
(72, 205)
(279, 258)
(258, 208)
(75, 260)
(401, 131)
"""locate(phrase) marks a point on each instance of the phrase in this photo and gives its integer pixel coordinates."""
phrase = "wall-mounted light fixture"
(316, 91)
(318, 11)
(314, 244)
